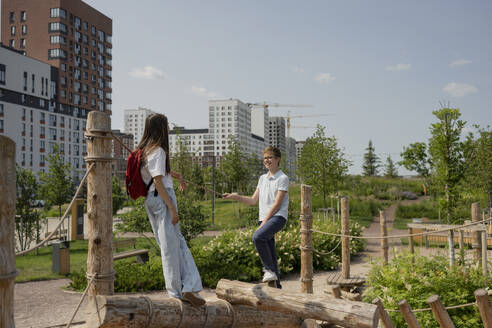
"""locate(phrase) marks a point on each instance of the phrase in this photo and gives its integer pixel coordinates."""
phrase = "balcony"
(62, 125)
(41, 150)
(41, 136)
(41, 164)
(42, 122)
(23, 118)
(23, 148)
(62, 138)
(23, 133)
(23, 163)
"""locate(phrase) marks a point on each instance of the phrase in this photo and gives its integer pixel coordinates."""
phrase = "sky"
(378, 68)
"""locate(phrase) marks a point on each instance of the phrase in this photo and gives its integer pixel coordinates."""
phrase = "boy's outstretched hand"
(233, 196)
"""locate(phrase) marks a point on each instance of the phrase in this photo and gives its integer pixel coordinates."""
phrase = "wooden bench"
(141, 254)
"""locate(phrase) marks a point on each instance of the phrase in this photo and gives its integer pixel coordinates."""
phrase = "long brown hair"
(156, 134)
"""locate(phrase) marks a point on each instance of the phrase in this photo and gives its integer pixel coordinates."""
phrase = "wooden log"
(383, 315)
(306, 240)
(345, 240)
(451, 247)
(461, 242)
(8, 270)
(384, 233)
(426, 241)
(333, 311)
(134, 312)
(99, 205)
(336, 291)
(410, 241)
(440, 312)
(345, 295)
(476, 240)
(408, 315)
(482, 297)
(484, 253)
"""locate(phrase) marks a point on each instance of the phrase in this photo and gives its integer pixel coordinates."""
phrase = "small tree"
(322, 164)
(196, 177)
(390, 170)
(56, 184)
(27, 220)
(118, 195)
(479, 172)
(371, 161)
(415, 158)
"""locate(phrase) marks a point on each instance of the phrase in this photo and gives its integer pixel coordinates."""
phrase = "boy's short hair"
(274, 150)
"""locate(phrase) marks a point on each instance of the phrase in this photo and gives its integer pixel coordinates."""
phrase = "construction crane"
(288, 117)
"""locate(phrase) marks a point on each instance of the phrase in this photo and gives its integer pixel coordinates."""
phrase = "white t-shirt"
(154, 165)
(268, 186)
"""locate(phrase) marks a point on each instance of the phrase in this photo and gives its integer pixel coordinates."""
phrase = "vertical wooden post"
(482, 297)
(426, 241)
(410, 241)
(476, 240)
(8, 271)
(345, 240)
(384, 233)
(306, 239)
(336, 291)
(461, 242)
(484, 253)
(406, 312)
(99, 205)
(451, 247)
(383, 315)
(440, 312)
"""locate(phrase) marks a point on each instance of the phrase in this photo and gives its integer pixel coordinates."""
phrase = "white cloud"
(459, 62)
(297, 69)
(459, 89)
(324, 78)
(203, 92)
(399, 67)
(147, 72)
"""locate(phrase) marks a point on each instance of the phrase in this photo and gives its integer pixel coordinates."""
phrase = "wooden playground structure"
(239, 304)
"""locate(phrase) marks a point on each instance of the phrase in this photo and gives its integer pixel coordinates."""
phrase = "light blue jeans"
(180, 271)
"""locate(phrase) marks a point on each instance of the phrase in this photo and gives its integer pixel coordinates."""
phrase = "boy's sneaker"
(269, 276)
(194, 298)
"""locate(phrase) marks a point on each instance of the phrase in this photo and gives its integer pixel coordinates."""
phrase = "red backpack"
(135, 186)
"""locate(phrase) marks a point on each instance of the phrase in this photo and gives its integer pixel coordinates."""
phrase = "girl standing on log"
(180, 272)
(272, 193)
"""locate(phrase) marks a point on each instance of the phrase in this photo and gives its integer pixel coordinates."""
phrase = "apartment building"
(134, 122)
(199, 143)
(71, 36)
(31, 116)
(120, 154)
(291, 158)
(299, 146)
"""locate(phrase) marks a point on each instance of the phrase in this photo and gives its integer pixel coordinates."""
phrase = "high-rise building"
(276, 132)
(259, 123)
(120, 153)
(291, 158)
(71, 36)
(299, 146)
(198, 143)
(135, 122)
(33, 119)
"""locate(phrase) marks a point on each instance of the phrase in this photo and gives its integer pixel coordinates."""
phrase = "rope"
(80, 302)
(328, 253)
(180, 303)
(206, 317)
(151, 310)
(230, 310)
(430, 309)
(69, 208)
(100, 277)
(402, 236)
(9, 275)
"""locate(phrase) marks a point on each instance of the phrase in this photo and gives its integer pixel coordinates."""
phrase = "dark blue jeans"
(264, 240)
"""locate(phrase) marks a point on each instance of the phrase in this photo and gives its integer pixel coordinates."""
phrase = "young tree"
(182, 157)
(415, 158)
(196, 177)
(480, 169)
(27, 220)
(371, 161)
(322, 164)
(56, 184)
(390, 170)
(118, 195)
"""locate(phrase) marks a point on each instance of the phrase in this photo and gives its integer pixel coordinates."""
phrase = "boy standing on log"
(272, 194)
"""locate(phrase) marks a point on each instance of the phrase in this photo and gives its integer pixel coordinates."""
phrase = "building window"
(93, 30)
(22, 43)
(78, 23)
(12, 17)
(108, 38)
(25, 81)
(24, 29)
(85, 25)
(57, 53)
(58, 12)
(23, 16)
(2, 74)
(58, 39)
(57, 27)
(1, 109)
(12, 43)
(12, 30)
(33, 78)
(64, 67)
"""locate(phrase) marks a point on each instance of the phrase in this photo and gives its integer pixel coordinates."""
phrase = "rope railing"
(430, 309)
(60, 222)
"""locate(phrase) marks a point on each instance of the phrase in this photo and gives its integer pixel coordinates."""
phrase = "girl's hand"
(233, 196)
(175, 216)
(182, 184)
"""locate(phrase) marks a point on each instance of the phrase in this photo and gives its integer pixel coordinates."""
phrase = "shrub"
(415, 282)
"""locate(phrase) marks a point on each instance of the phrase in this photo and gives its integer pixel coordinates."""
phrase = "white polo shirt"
(268, 186)
(154, 165)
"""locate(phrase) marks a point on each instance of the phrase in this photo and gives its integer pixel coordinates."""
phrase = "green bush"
(416, 281)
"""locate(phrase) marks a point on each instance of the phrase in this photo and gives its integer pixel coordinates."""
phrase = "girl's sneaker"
(269, 276)
(194, 298)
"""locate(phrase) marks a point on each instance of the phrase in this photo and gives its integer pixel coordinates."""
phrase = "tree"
(182, 157)
(415, 158)
(322, 164)
(118, 195)
(390, 169)
(371, 161)
(27, 220)
(196, 177)
(56, 184)
(479, 172)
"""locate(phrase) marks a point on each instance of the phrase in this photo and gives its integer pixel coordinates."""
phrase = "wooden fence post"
(384, 233)
(383, 315)
(408, 315)
(440, 312)
(484, 253)
(482, 297)
(410, 241)
(451, 247)
(476, 240)
(345, 240)
(461, 242)
(8, 270)
(99, 204)
(306, 239)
